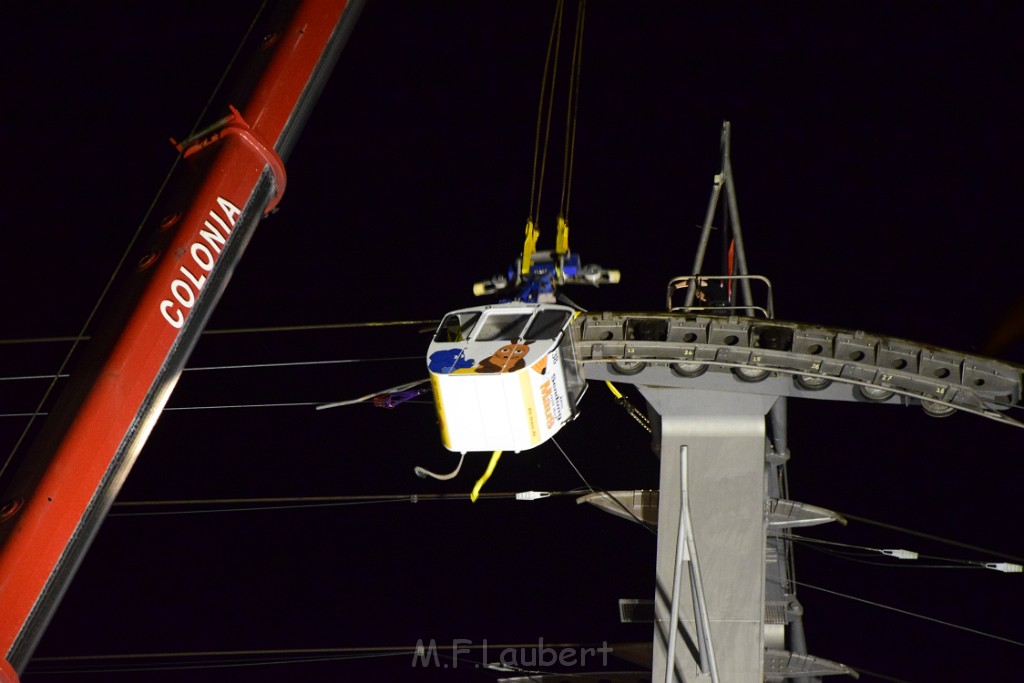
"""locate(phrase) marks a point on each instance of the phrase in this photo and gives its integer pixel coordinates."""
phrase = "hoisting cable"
(633, 411)
(540, 151)
(571, 116)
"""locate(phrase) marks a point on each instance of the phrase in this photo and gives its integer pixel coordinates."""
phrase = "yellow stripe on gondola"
(530, 405)
(439, 404)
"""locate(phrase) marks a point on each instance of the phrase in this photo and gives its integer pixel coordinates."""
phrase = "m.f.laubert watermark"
(511, 657)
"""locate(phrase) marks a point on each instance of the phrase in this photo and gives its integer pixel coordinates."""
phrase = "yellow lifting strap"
(630, 408)
(615, 392)
(487, 475)
(562, 237)
(529, 246)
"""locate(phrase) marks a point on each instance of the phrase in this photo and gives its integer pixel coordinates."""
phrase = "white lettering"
(508, 658)
(456, 650)
(229, 209)
(546, 656)
(220, 222)
(214, 233)
(422, 656)
(213, 238)
(198, 282)
(206, 262)
(177, 321)
(188, 298)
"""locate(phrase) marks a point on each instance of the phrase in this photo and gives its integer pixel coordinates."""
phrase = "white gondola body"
(505, 377)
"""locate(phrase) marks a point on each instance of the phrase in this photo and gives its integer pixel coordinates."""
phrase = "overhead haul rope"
(908, 613)
(242, 366)
(898, 554)
(933, 537)
(218, 505)
(241, 330)
(120, 264)
(325, 326)
(144, 661)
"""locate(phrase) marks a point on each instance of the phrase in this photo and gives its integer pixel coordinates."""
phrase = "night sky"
(876, 150)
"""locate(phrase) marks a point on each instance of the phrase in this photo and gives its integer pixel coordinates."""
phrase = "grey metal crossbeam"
(776, 358)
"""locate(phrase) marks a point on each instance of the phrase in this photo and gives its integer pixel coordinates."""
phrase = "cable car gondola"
(505, 376)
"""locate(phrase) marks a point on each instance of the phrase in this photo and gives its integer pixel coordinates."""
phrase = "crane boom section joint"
(235, 124)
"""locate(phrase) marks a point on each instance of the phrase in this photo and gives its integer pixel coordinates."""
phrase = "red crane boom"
(228, 179)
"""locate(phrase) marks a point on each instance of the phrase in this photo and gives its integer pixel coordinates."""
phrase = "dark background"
(876, 152)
